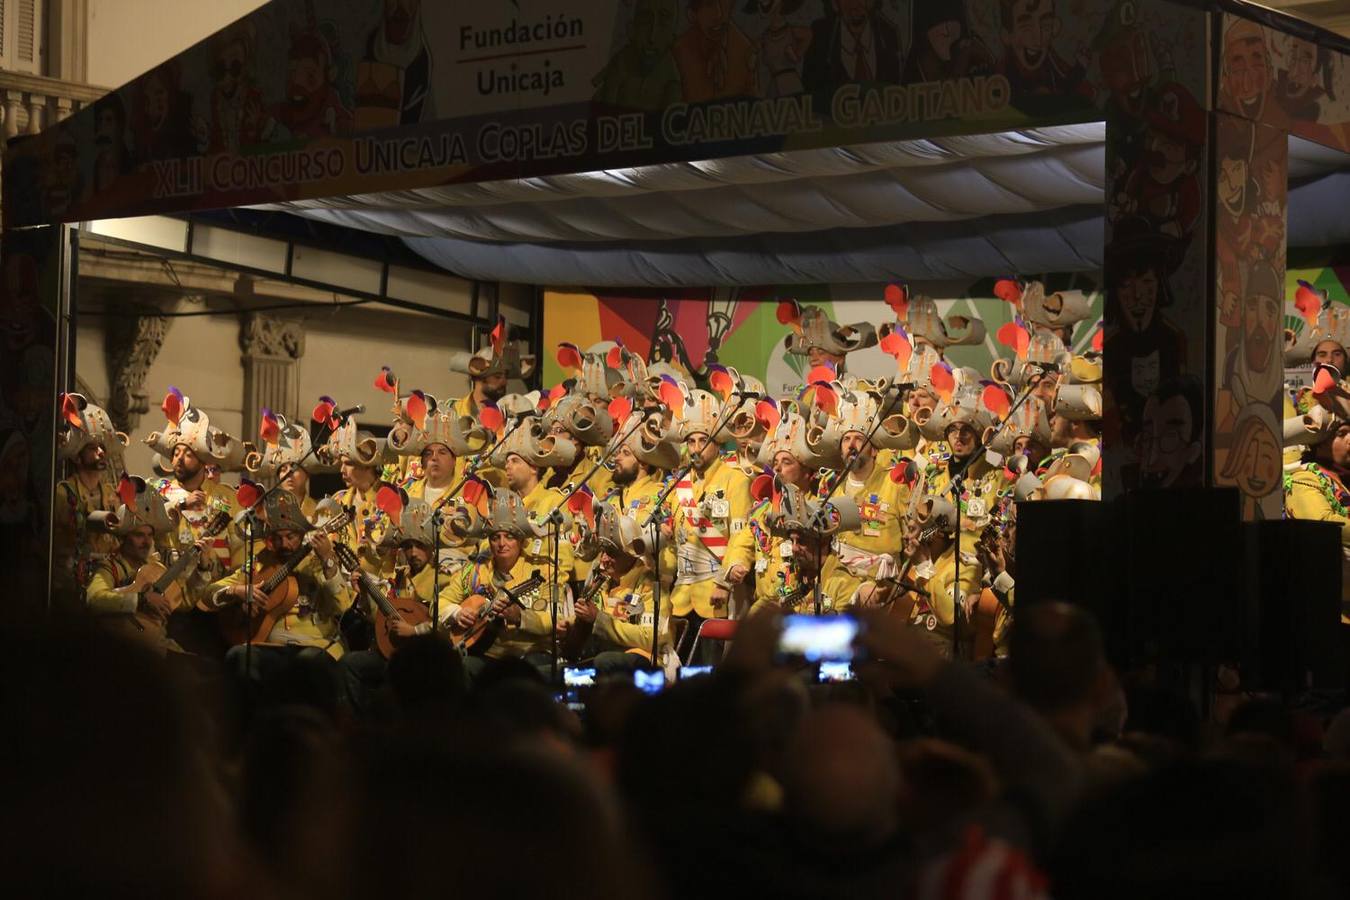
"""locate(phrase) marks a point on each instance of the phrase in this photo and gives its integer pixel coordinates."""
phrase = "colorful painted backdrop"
(675, 325)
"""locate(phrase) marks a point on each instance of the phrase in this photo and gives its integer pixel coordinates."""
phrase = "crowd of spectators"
(1050, 775)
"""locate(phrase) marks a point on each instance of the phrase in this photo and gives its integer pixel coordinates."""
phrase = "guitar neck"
(286, 568)
(186, 559)
(369, 584)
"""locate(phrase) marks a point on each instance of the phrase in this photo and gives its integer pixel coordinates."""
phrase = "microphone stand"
(955, 488)
(436, 571)
(653, 520)
(554, 520)
(818, 518)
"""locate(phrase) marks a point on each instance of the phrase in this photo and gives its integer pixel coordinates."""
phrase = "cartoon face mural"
(1254, 465)
(1169, 446)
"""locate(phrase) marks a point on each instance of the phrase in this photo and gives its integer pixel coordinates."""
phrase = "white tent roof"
(974, 205)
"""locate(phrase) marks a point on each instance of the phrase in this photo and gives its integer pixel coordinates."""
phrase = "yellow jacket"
(71, 510)
(868, 554)
(711, 534)
(366, 529)
(313, 619)
(624, 620)
(227, 550)
(1312, 492)
(114, 608)
(534, 633)
(936, 612)
(539, 502)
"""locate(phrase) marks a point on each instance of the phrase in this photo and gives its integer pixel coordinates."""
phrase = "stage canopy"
(955, 207)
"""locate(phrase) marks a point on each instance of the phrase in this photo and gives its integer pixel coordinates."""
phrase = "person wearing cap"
(795, 463)
(620, 617)
(866, 558)
(410, 544)
(284, 459)
(526, 456)
(526, 632)
(138, 531)
(807, 528)
(586, 423)
(307, 636)
(965, 424)
(1317, 489)
(190, 441)
(489, 370)
(359, 456)
(930, 548)
(90, 488)
(825, 342)
(711, 545)
(443, 440)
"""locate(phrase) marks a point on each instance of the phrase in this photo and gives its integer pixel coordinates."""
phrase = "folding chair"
(714, 630)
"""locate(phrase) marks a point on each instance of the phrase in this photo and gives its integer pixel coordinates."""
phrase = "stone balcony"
(29, 103)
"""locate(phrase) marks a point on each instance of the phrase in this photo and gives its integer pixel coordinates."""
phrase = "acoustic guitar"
(389, 605)
(479, 637)
(238, 626)
(578, 632)
(166, 580)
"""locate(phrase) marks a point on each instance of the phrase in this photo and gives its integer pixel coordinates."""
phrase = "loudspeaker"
(1183, 550)
(1292, 632)
(1067, 551)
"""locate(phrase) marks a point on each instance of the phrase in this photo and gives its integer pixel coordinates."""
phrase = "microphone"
(350, 411)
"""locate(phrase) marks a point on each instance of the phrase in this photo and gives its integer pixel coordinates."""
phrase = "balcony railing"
(29, 103)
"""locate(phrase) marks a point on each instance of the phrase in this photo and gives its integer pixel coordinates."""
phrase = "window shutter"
(21, 35)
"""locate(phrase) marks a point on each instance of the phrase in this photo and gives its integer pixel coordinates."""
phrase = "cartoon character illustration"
(1301, 85)
(1031, 64)
(643, 74)
(1252, 365)
(394, 78)
(163, 119)
(1247, 76)
(1164, 186)
(112, 156)
(62, 183)
(852, 42)
(781, 47)
(1254, 463)
(313, 108)
(1170, 446)
(942, 46)
(239, 116)
(1143, 348)
(714, 57)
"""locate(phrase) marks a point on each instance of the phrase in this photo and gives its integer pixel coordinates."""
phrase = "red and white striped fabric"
(709, 535)
(983, 869)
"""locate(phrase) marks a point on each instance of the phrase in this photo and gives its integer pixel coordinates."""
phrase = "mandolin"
(389, 604)
(478, 638)
(155, 576)
(578, 632)
(238, 626)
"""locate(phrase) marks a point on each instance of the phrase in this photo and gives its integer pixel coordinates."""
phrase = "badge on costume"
(761, 565)
(930, 622)
(537, 547)
(721, 509)
(785, 550)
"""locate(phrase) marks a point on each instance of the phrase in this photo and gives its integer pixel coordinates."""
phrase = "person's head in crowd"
(295, 780)
(426, 677)
(841, 780)
(944, 786)
(188, 469)
(109, 758)
(295, 479)
(524, 710)
(490, 823)
(521, 475)
(357, 474)
(1057, 665)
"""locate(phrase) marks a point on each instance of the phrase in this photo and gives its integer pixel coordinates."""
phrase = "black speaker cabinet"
(1066, 551)
(1183, 565)
(1292, 636)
